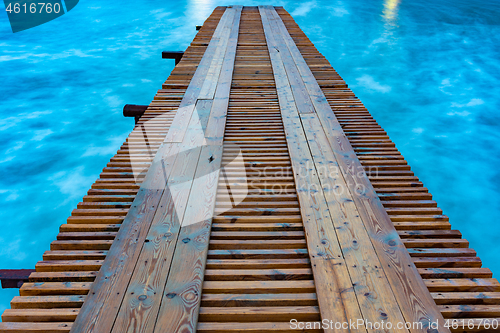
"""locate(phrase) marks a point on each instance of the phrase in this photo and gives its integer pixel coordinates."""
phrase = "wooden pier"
(256, 190)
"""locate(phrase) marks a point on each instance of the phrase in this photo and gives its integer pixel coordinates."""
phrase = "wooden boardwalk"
(256, 190)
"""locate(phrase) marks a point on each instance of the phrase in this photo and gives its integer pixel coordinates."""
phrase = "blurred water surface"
(429, 72)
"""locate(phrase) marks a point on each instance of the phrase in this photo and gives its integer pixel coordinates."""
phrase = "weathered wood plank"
(373, 290)
(216, 124)
(54, 288)
(180, 312)
(141, 303)
(181, 297)
(17, 327)
(182, 118)
(300, 93)
(212, 79)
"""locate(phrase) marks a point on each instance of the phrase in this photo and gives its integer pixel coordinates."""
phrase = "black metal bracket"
(177, 55)
(136, 111)
(14, 278)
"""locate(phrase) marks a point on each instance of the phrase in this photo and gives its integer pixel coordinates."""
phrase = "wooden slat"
(258, 287)
(212, 79)
(54, 288)
(216, 124)
(47, 302)
(39, 315)
(19, 327)
(234, 300)
(249, 314)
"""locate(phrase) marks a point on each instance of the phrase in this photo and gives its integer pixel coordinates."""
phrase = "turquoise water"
(427, 71)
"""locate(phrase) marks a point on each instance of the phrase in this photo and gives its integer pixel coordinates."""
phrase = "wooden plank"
(300, 93)
(258, 274)
(234, 300)
(258, 287)
(462, 285)
(54, 288)
(181, 297)
(35, 327)
(212, 79)
(413, 297)
(109, 287)
(453, 311)
(372, 288)
(249, 264)
(185, 111)
(47, 302)
(216, 124)
(467, 298)
(140, 305)
(335, 301)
